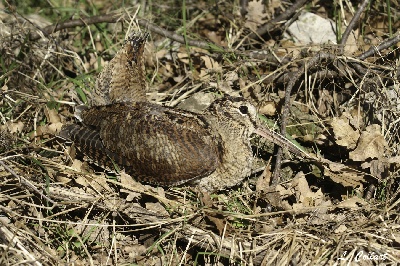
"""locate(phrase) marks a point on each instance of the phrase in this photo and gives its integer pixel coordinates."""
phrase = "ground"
(335, 98)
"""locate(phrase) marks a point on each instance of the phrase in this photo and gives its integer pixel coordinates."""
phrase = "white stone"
(312, 29)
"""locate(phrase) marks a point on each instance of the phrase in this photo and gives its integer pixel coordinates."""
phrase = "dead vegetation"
(338, 100)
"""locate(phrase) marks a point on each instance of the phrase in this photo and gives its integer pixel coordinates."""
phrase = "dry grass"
(59, 209)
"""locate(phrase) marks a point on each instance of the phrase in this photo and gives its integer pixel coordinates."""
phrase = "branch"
(274, 23)
(352, 25)
(113, 18)
(286, 109)
(375, 49)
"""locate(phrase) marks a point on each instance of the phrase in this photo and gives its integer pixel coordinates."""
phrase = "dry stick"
(352, 25)
(313, 61)
(375, 49)
(270, 25)
(372, 50)
(26, 182)
(113, 18)
(179, 38)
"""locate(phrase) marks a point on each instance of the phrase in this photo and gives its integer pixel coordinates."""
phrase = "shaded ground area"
(334, 94)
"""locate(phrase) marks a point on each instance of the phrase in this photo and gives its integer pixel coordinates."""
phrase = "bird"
(162, 145)
(166, 146)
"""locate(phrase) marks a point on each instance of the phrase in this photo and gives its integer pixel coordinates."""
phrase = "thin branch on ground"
(276, 22)
(26, 182)
(113, 18)
(384, 45)
(286, 109)
(354, 21)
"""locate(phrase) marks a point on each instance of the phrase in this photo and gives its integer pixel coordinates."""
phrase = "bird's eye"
(243, 109)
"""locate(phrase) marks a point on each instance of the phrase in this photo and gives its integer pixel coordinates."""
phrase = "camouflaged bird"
(162, 145)
(165, 146)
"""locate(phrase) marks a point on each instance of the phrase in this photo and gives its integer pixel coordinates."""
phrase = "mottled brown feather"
(155, 144)
(123, 78)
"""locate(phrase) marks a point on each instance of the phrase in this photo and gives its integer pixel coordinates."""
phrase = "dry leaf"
(304, 195)
(206, 200)
(372, 144)
(355, 116)
(269, 108)
(341, 229)
(378, 167)
(394, 159)
(128, 182)
(52, 115)
(255, 15)
(219, 223)
(351, 203)
(264, 180)
(345, 135)
(345, 178)
(77, 165)
(325, 102)
(100, 184)
(184, 57)
(63, 179)
(273, 5)
(214, 37)
(156, 207)
(54, 128)
(80, 180)
(15, 127)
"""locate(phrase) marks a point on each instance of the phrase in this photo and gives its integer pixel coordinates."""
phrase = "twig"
(272, 24)
(352, 25)
(113, 18)
(14, 240)
(26, 182)
(375, 49)
(286, 109)
(179, 38)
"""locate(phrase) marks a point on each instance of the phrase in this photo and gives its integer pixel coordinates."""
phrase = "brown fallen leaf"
(348, 178)
(255, 14)
(371, 144)
(344, 133)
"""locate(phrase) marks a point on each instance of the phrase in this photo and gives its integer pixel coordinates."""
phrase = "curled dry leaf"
(372, 144)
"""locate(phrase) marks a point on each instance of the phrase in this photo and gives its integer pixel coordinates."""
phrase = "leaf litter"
(343, 112)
